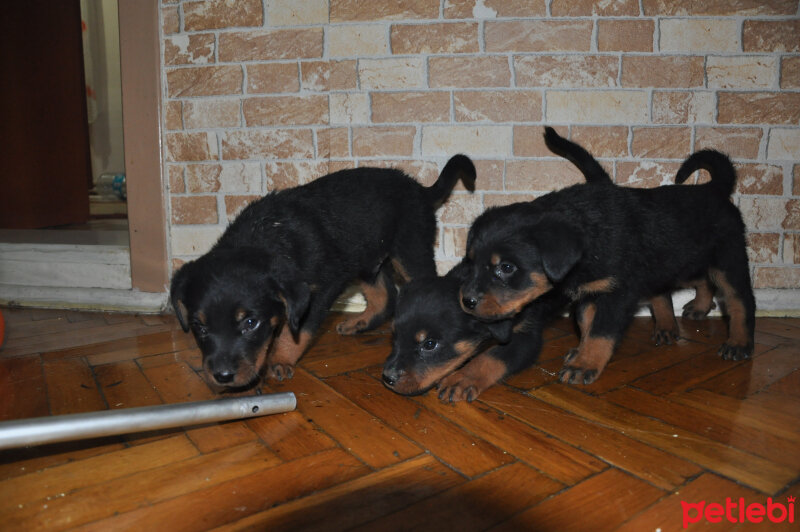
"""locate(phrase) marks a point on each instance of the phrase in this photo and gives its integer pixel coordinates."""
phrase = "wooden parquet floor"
(662, 426)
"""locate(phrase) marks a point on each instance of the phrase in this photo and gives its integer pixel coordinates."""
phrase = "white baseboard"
(93, 299)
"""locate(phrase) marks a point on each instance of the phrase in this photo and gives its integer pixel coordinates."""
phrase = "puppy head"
(432, 335)
(234, 302)
(512, 264)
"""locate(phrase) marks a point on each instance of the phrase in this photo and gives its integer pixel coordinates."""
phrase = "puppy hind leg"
(703, 302)
(381, 295)
(733, 283)
(666, 326)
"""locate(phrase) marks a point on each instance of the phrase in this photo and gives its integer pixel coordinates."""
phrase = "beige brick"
(235, 204)
(449, 38)
(742, 72)
(297, 12)
(529, 141)
(231, 178)
(475, 141)
(765, 179)
(771, 35)
(349, 108)
(454, 241)
(790, 73)
(460, 209)
(211, 113)
(357, 40)
(272, 77)
(486, 71)
(335, 166)
(739, 143)
(543, 176)
(194, 49)
(602, 141)
(490, 174)
(683, 107)
(501, 200)
(696, 35)
(776, 277)
(270, 45)
(661, 142)
(282, 175)
(191, 146)
(538, 36)
(410, 107)
(585, 8)
(381, 141)
(758, 108)
(719, 7)
(646, 174)
(203, 178)
(792, 219)
(194, 210)
(329, 75)
(175, 176)
(791, 248)
(566, 71)
(763, 248)
(598, 107)
(173, 115)
(333, 142)
(349, 10)
(268, 144)
(763, 214)
(494, 8)
(625, 35)
(394, 73)
(170, 20)
(665, 72)
(424, 172)
(498, 106)
(193, 241)
(783, 144)
(204, 81)
(796, 180)
(285, 110)
(217, 14)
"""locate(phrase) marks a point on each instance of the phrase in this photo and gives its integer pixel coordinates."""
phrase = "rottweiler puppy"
(438, 344)
(257, 298)
(609, 247)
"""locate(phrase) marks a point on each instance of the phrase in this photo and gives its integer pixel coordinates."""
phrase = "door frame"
(140, 69)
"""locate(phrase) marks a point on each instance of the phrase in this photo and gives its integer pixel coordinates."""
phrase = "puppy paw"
(692, 311)
(735, 352)
(577, 375)
(570, 356)
(351, 327)
(665, 336)
(456, 387)
(280, 372)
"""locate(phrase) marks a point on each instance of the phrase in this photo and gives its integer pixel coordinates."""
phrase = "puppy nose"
(469, 302)
(389, 380)
(224, 377)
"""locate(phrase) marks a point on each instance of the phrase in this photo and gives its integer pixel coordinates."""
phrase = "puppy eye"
(200, 329)
(250, 324)
(507, 268)
(429, 344)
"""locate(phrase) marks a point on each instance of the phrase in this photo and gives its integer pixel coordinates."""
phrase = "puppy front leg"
(467, 383)
(285, 353)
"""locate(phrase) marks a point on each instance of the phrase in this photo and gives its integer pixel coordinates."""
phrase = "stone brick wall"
(264, 94)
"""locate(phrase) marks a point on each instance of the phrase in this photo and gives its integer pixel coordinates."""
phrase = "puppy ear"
(501, 330)
(560, 246)
(178, 287)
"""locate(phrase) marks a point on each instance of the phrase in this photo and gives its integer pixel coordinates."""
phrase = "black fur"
(610, 247)
(289, 255)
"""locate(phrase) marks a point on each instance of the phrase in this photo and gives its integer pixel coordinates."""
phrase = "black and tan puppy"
(288, 256)
(608, 248)
(438, 344)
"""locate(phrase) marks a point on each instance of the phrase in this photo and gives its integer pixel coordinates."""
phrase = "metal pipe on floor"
(52, 429)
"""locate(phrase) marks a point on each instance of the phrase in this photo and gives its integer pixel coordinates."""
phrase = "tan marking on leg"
(599, 286)
(738, 334)
(400, 270)
(464, 350)
(285, 353)
(470, 381)
(377, 296)
(666, 326)
(201, 317)
(510, 302)
(586, 318)
(703, 301)
(588, 360)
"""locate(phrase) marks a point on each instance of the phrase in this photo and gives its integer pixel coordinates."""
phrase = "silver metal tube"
(41, 430)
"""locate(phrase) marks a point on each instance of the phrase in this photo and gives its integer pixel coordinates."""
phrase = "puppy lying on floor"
(285, 259)
(609, 247)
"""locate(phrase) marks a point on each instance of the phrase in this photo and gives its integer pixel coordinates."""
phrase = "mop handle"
(51, 429)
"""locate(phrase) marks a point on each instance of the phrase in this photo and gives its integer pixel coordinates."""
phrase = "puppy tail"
(582, 159)
(458, 167)
(723, 174)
